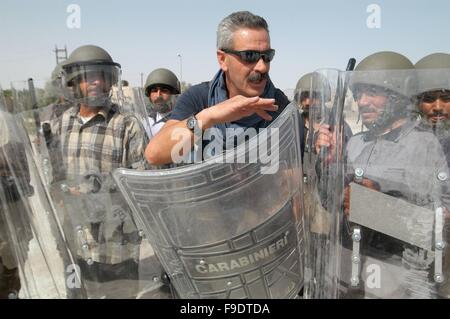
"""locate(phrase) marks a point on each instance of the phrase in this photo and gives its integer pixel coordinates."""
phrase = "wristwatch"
(192, 123)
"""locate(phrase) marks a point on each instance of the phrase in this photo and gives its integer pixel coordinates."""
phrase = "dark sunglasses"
(252, 56)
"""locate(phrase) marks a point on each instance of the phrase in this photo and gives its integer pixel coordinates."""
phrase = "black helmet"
(433, 72)
(162, 77)
(90, 58)
(313, 80)
(393, 74)
(389, 70)
(83, 63)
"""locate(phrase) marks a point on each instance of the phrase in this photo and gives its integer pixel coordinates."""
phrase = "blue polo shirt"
(195, 100)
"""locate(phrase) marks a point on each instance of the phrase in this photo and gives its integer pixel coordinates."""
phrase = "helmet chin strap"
(396, 108)
(382, 123)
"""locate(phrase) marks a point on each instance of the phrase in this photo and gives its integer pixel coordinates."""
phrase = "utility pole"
(181, 71)
(60, 54)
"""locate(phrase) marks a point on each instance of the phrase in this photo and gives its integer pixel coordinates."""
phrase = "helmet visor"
(92, 84)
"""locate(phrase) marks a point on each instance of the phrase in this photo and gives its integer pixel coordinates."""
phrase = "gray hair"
(235, 21)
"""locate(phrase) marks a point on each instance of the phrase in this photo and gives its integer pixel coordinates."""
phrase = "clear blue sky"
(144, 35)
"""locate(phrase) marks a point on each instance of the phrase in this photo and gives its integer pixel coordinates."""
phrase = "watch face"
(191, 123)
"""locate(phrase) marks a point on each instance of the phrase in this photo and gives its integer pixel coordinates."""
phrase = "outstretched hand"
(235, 109)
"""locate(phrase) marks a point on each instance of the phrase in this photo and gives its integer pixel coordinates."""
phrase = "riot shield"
(132, 100)
(38, 93)
(387, 191)
(315, 106)
(43, 102)
(153, 121)
(75, 157)
(433, 105)
(143, 100)
(34, 262)
(322, 109)
(224, 228)
(2, 100)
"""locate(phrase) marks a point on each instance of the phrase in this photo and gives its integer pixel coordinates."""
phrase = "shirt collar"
(103, 112)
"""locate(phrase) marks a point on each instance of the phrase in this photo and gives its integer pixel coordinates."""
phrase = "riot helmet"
(164, 79)
(306, 93)
(434, 61)
(383, 74)
(433, 89)
(91, 72)
(57, 73)
(57, 87)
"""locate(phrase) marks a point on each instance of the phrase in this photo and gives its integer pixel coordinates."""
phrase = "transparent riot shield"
(143, 100)
(155, 118)
(313, 105)
(225, 228)
(321, 109)
(75, 157)
(433, 105)
(2, 100)
(38, 93)
(387, 191)
(34, 260)
(133, 100)
(44, 102)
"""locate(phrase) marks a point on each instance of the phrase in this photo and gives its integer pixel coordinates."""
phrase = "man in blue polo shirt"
(241, 94)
